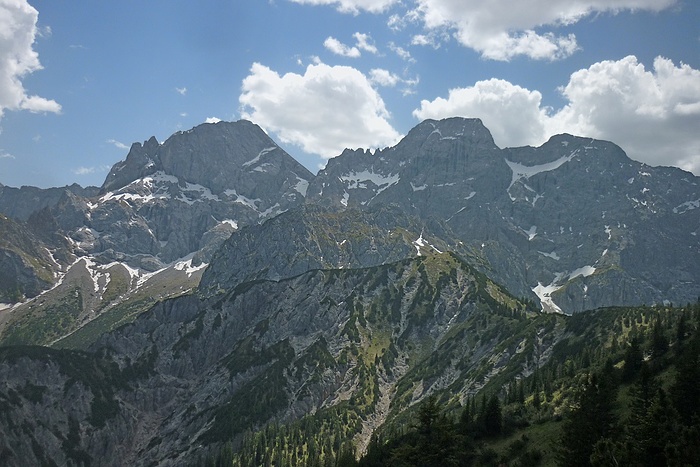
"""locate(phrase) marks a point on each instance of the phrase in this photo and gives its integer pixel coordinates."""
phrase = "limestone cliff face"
(575, 221)
(168, 200)
(574, 224)
(21, 203)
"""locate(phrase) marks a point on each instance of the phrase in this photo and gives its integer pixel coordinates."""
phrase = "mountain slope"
(361, 341)
(26, 265)
(575, 221)
(157, 220)
(315, 237)
(344, 312)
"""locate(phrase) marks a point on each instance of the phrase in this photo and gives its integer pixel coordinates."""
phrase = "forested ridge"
(622, 388)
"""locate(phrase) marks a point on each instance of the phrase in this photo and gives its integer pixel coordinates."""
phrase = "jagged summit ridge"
(574, 221)
(212, 154)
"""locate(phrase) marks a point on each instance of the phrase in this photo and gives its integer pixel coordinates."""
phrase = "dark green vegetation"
(26, 267)
(33, 326)
(622, 388)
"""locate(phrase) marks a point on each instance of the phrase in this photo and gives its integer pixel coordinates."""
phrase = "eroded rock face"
(165, 209)
(575, 221)
(368, 295)
(26, 266)
(315, 237)
(170, 199)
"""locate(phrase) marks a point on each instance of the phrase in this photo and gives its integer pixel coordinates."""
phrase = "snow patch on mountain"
(251, 203)
(531, 232)
(272, 211)
(418, 243)
(521, 171)
(544, 292)
(584, 271)
(552, 255)
(230, 222)
(687, 206)
(359, 179)
(256, 159)
(187, 267)
(301, 186)
(159, 186)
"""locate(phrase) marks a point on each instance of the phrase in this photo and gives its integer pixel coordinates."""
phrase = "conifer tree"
(659, 342)
(590, 422)
(633, 360)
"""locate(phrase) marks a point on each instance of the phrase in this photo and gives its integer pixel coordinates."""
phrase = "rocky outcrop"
(161, 214)
(26, 265)
(20, 203)
(315, 237)
(574, 222)
(169, 200)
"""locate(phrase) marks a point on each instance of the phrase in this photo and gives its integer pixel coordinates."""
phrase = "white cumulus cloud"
(512, 113)
(353, 6)
(384, 77)
(18, 31)
(653, 114)
(503, 29)
(364, 42)
(90, 170)
(338, 48)
(323, 111)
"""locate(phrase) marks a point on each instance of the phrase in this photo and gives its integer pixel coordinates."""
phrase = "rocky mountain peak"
(211, 154)
(468, 130)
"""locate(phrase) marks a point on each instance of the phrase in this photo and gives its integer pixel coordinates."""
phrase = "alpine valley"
(214, 302)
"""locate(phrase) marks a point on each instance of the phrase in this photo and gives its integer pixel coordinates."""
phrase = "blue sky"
(80, 82)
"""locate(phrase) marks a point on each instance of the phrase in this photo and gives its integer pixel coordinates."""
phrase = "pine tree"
(633, 360)
(681, 332)
(659, 342)
(521, 393)
(493, 417)
(685, 391)
(590, 422)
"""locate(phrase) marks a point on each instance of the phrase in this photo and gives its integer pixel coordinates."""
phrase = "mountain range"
(213, 285)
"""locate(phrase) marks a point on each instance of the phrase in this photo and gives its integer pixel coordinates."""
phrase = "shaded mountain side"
(187, 194)
(151, 230)
(283, 367)
(315, 237)
(20, 203)
(574, 221)
(365, 342)
(27, 267)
